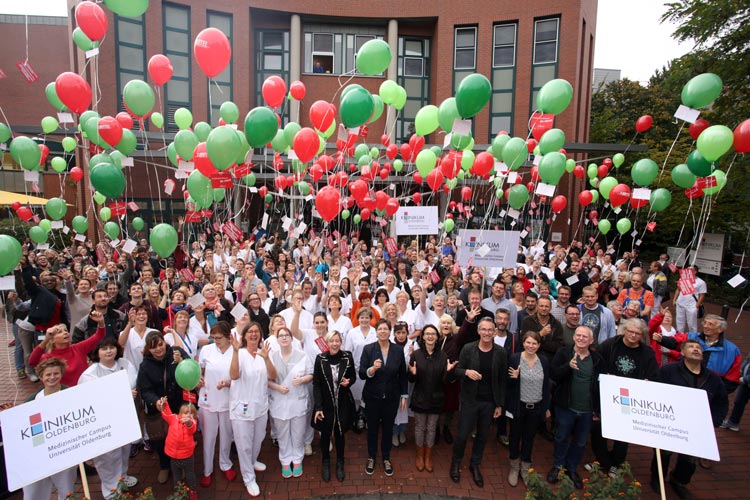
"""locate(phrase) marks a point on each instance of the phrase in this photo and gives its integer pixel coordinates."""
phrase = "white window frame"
(496, 45)
(455, 48)
(557, 38)
(331, 54)
(420, 59)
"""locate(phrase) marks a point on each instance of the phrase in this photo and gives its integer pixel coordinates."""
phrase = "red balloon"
(262, 191)
(76, 173)
(298, 90)
(212, 50)
(607, 161)
(483, 164)
(559, 203)
(435, 179)
(45, 153)
(160, 69)
(742, 137)
(110, 130)
(530, 187)
(274, 91)
(385, 140)
(619, 195)
(593, 215)
(316, 172)
(365, 213)
(643, 123)
(535, 174)
(578, 171)
(531, 144)
(327, 203)
(358, 189)
(416, 143)
(638, 203)
(202, 162)
(465, 193)
(391, 207)
(306, 142)
(418, 178)
(416, 198)
(343, 179)
(321, 115)
(73, 91)
(405, 150)
(383, 174)
(15, 205)
(326, 162)
(124, 119)
(381, 199)
(391, 151)
(697, 127)
(279, 183)
(24, 213)
(602, 171)
(449, 166)
(585, 197)
(92, 20)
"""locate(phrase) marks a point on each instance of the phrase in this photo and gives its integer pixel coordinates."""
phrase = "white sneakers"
(129, 481)
(308, 450)
(259, 466)
(252, 489)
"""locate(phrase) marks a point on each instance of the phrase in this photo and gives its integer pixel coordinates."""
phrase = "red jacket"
(179, 443)
(654, 326)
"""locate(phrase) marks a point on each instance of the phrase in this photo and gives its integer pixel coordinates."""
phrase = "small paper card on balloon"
(93, 52)
(133, 206)
(253, 189)
(114, 243)
(687, 114)
(641, 194)
(31, 175)
(421, 266)
(562, 265)
(638, 242)
(129, 246)
(193, 217)
(524, 233)
(127, 161)
(447, 140)
(513, 213)
(189, 397)
(57, 224)
(353, 131)
(572, 280)
(286, 223)
(512, 177)
(483, 250)
(651, 226)
(736, 281)
(222, 179)
(232, 125)
(706, 182)
(292, 155)
(8, 282)
(461, 127)
(537, 159)
(242, 169)
(65, 118)
(27, 71)
(187, 166)
(264, 224)
(634, 234)
(232, 230)
(503, 213)
(80, 237)
(187, 274)
(66, 229)
(196, 300)
(545, 189)
(35, 187)
(118, 208)
(238, 311)
(180, 174)
(43, 246)
(617, 210)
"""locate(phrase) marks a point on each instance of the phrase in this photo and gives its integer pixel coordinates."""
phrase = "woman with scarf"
(178, 303)
(217, 307)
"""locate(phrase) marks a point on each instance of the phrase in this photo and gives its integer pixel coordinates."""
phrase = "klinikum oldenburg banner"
(412, 221)
(663, 416)
(54, 433)
(477, 247)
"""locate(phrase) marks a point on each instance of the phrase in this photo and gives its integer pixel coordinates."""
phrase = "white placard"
(187, 166)
(253, 189)
(31, 175)
(711, 247)
(556, 237)
(57, 224)
(80, 237)
(93, 52)
(641, 194)
(127, 161)
(66, 229)
(687, 114)
(461, 127)
(8, 282)
(736, 281)
(196, 300)
(292, 155)
(572, 279)
(114, 243)
(264, 224)
(513, 214)
(545, 189)
(65, 118)
(42, 246)
(67, 428)
(129, 246)
(179, 174)
(562, 266)
(524, 233)
(537, 160)
(512, 177)
(664, 416)
(416, 220)
(502, 245)
(238, 311)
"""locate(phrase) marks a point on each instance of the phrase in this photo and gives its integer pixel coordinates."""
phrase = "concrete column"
(295, 61)
(392, 74)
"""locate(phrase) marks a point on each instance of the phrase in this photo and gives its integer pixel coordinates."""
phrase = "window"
(504, 45)
(222, 90)
(271, 58)
(545, 41)
(414, 75)
(130, 56)
(178, 47)
(332, 48)
(465, 54)
(503, 78)
(322, 52)
(413, 66)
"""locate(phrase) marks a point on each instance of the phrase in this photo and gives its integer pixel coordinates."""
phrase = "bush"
(598, 486)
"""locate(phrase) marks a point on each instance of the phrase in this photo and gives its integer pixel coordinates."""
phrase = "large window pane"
(504, 56)
(500, 123)
(272, 62)
(181, 65)
(176, 17)
(542, 75)
(413, 48)
(178, 90)
(177, 41)
(465, 37)
(130, 58)
(413, 66)
(222, 22)
(505, 34)
(322, 42)
(464, 58)
(502, 103)
(272, 41)
(546, 30)
(502, 79)
(130, 33)
(545, 52)
(413, 86)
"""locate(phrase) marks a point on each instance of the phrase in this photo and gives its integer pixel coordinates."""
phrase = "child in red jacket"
(180, 444)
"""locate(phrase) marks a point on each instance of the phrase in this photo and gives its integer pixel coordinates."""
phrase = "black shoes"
(553, 476)
(370, 467)
(326, 471)
(340, 470)
(447, 435)
(681, 490)
(455, 472)
(476, 474)
(387, 467)
(577, 481)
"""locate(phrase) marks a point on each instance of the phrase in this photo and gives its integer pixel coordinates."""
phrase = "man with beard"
(114, 320)
(596, 316)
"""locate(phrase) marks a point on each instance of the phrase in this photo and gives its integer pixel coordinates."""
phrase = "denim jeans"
(573, 430)
(740, 401)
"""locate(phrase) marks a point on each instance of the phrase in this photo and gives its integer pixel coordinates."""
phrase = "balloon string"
(669, 153)
(726, 176)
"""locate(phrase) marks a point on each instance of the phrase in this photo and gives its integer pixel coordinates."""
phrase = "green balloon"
(46, 225)
(99, 198)
(594, 182)
(223, 147)
(11, 251)
(388, 91)
(518, 195)
(172, 154)
(373, 57)
(364, 160)
(68, 144)
(82, 41)
(219, 194)
(498, 146)
(426, 121)
(49, 125)
(37, 235)
(452, 183)
(116, 158)
(268, 198)
(244, 148)
(594, 195)
(290, 130)
(127, 143)
(374, 153)
(202, 129)
(229, 112)
(108, 180)
(86, 115)
(105, 213)
(426, 161)
(447, 114)
(683, 177)
(554, 96)
(80, 224)
(157, 119)
(448, 225)
(91, 130)
(249, 180)
(660, 199)
(618, 159)
(51, 92)
(398, 165)
(112, 229)
(604, 226)
(698, 165)
(552, 168)
(721, 181)
(606, 185)
(260, 126)
(278, 143)
(377, 108)
(127, 8)
(183, 118)
(138, 223)
(25, 152)
(58, 164)
(185, 142)
(139, 97)
(515, 153)
(360, 151)
(400, 100)
(644, 172)
(356, 107)
(345, 213)
(467, 159)
(715, 141)
(56, 208)
(460, 142)
(331, 129)
(592, 171)
(199, 187)
(304, 188)
(188, 372)
(570, 165)
(357, 218)
(552, 140)
(623, 225)
(472, 94)
(701, 90)
(5, 133)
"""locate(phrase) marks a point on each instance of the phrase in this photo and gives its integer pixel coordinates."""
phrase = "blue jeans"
(573, 430)
(17, 350)
(740, 401)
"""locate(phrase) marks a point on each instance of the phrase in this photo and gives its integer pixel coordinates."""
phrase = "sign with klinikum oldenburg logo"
(69, 427)
(663, 416)
(412, 221)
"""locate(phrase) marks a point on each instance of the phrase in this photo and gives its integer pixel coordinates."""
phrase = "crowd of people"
(320, 335)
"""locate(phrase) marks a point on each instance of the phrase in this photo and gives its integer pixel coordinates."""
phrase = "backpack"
(640, 299)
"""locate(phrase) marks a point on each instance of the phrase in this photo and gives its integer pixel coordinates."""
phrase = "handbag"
(156, 426)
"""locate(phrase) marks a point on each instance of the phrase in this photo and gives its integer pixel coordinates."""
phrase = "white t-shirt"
(215, 365)
(248, 395)
(355, 342)
(133, 350)
(295, 402)
(98, 370)
(691, 299)
(305, 318)
(189, 342)
(341, 325)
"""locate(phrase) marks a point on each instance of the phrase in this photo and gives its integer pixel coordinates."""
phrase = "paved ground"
(723, 481)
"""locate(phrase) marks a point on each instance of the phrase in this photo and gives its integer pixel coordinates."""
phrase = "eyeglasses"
(285, 336)
(634, 332)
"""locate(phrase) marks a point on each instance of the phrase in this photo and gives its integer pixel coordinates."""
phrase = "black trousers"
(479, 414)
(607, 458)
(523, 429)
(683, 470)
(380, 413)
(326, 431)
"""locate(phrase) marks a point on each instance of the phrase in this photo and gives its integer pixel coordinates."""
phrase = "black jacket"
(262, 319)
(469, 360)
(513, 401)
(156, 379)
(389, 382)
(428, 394)
(43, 300)
(678, 374)
(338, 408)
(646, 367)
(562, 375)
(550, 343)
(114, 321)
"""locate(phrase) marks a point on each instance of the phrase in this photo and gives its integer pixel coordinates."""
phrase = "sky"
(629, 36)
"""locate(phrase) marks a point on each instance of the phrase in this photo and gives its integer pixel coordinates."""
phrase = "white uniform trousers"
(248, 436)
(291, 436)
(213, 424)
(64, 481)
(687, 318)
(111, 466)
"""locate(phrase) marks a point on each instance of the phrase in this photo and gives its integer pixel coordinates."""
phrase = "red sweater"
(179, 443)
(75, 355)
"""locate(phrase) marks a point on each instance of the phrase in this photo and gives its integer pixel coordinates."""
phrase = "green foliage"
(599, 485)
